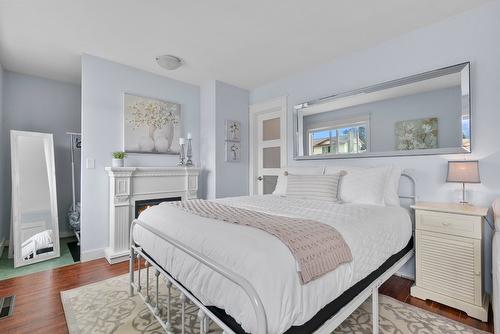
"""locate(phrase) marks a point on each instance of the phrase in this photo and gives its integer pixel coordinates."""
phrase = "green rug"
(7, 269)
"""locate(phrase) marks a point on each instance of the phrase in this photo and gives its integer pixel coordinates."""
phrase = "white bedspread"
(373, 233)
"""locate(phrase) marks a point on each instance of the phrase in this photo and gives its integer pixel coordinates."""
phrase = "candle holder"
(189, 162)
(181, 155)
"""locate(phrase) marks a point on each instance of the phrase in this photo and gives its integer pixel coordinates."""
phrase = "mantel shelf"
(150, 169)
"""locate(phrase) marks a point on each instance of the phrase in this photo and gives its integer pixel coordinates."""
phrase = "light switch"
(90, 163)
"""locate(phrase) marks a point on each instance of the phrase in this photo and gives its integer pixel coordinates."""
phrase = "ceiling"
(245, 43)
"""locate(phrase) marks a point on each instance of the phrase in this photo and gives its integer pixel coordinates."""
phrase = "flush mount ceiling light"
(169, 62)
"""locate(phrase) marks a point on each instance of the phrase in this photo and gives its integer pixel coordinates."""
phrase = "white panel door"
(268, 156)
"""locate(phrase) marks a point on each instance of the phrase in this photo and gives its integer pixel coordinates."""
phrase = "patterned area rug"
(105, 307)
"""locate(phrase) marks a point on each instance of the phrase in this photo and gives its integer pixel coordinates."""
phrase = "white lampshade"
(463, 171)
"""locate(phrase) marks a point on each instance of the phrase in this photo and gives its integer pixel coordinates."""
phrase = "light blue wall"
(231, 104)
(223, 102)
(208, 160)
(470, 37)
(41, 105)
(103, 85)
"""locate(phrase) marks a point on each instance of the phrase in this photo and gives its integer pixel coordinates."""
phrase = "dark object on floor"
(74, 249)
(6, 306)
(40, 251)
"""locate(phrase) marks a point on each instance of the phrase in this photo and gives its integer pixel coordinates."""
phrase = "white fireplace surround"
(130, 184)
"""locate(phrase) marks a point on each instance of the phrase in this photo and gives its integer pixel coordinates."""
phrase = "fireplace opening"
(146, 203)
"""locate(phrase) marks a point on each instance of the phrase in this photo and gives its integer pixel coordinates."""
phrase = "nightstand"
(449, 256)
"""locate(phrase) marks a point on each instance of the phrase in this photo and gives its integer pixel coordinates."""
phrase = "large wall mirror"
(428, 113)
(34, 200)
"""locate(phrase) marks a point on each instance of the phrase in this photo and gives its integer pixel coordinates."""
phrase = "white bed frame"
(151, 295)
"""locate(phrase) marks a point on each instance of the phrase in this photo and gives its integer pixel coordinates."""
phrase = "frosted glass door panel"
(271, 129)
(271, 157)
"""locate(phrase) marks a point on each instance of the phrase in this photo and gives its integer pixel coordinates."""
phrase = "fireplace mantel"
(130, 184)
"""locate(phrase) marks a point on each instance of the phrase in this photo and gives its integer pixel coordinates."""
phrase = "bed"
(37, 244)
(245, 280)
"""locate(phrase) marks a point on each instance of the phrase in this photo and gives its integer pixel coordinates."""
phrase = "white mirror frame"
(463, 69)
(16, 180)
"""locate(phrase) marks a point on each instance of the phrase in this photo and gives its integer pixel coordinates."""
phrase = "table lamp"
(463, 172)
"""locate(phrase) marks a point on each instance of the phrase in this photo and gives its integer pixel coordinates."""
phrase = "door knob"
(260, 178)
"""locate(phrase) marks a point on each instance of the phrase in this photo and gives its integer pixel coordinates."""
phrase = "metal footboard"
(204, 314)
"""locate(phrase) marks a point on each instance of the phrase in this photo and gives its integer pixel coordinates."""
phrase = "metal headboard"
(412, 196)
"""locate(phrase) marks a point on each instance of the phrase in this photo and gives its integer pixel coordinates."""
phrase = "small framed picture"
(233, 130)
(233, 151)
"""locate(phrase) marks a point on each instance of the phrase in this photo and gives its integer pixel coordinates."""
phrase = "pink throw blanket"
(318, 248)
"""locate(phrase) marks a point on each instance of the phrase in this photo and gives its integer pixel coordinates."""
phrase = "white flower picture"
(151, 125)
(417, 134)
(233, 130)
(233, 151)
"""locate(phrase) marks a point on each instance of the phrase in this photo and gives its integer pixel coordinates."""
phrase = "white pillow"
(313, 187)
(280, 188)
(391, 193)
(364, 185)
(391, 182)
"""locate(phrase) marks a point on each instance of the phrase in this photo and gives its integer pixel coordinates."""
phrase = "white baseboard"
(405, 275)
(92, 254)
(116, 257)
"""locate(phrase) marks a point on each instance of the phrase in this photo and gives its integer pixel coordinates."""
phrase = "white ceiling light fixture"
(169, 62)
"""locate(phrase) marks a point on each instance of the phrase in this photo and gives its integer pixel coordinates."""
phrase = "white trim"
(92, 254)
(278, 104)
(117, 257)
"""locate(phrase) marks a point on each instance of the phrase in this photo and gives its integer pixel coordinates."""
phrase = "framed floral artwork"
(417, 134)
(151, 125)
(233, 130)
(233, 151)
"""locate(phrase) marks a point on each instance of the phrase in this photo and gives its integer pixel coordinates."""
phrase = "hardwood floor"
(38, 307)
(399, 288)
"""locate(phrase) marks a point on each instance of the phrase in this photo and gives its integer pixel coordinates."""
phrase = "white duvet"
(373, 233)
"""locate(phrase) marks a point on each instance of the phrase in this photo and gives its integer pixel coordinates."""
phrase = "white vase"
(117, 162)
(161, 144)
(146, 144)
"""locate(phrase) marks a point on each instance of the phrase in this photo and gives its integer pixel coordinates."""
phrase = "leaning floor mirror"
(35, 230)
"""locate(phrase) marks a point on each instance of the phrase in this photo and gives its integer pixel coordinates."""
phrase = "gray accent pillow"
(313, 187)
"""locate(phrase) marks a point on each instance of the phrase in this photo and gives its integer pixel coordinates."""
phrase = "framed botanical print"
(233, 130)
(233, 151)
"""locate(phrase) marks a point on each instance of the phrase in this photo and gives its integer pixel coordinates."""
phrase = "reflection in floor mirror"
(35, 242)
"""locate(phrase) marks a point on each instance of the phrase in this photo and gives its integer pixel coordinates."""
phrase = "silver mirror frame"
(463, 69)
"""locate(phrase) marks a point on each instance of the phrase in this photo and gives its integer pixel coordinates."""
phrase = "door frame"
(278, 104)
